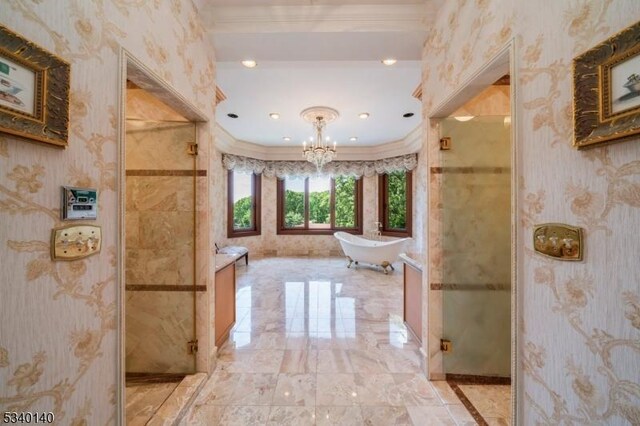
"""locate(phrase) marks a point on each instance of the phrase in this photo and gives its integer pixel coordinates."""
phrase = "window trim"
(282, 230)
(257, 208)
(383, 212)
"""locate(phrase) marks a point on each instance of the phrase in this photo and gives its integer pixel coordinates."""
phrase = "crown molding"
(318, 18)
(227, 144)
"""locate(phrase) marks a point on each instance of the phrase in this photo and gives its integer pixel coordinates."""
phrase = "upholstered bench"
(238, 251)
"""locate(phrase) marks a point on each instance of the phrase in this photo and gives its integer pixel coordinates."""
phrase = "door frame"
(131, 68)
(501, 63)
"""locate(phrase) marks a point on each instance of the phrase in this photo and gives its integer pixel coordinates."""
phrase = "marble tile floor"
(493, 402)
(317, 343)
(144, 399)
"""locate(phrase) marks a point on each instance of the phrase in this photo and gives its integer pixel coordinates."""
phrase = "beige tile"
(339, 416)
(497, 421)
(292, 416)
(431, 415)
(490, 400)
(295, 390)
(336, 389)
(461, 415)
(377, 390)
(334, 361)
(245, 415)
(415, 389)
(203, 415)
(385, 416)
(444, 391)
(254, 389)
(299, 361)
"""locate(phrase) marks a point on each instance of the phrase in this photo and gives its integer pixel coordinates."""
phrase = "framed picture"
(34, 91)
(606, 84)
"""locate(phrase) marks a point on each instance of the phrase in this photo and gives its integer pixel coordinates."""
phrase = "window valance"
(282, 169)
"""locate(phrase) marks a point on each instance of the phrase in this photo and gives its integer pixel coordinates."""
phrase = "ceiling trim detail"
(318, 18)
(227, 144)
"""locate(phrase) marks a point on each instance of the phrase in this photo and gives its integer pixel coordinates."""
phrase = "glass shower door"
(160, 248)
(476, 244)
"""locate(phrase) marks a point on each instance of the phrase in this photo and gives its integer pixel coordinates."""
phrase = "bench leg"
(246, 259)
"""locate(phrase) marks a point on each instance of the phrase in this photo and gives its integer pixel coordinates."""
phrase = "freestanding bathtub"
(358, 249)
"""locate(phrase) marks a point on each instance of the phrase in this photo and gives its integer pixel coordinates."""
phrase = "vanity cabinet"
(413, 299)
(225, 303)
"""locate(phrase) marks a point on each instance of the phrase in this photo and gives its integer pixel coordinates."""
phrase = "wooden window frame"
(257, 208)
(282, 230)
(383, 211)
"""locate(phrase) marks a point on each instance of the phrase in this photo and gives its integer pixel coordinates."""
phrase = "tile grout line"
(468, 405)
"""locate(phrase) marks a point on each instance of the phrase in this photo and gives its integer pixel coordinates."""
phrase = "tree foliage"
(320, 205)
(345, 190)
(242, 213)
(397, 199)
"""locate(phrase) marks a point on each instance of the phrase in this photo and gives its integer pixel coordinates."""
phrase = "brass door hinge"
(193, 149)
(192, 346)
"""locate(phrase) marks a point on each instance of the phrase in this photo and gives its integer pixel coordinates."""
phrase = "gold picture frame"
(34, 91)
(606, 91)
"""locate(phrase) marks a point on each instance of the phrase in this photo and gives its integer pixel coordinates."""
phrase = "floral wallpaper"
(58, 330)
(578, 322)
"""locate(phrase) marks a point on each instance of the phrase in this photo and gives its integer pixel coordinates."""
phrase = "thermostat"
(79, 203)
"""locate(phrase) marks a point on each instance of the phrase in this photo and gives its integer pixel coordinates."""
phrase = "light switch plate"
(558, 241)
(75, 242)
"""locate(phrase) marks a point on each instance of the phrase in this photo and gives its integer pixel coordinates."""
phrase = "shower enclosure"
(476, 245)
(160, 249)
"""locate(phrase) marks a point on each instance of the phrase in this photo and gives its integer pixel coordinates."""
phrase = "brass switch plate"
(558, 241)
(75, 242)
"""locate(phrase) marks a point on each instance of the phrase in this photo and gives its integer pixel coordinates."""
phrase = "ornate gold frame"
(50, 121)
(594, 122)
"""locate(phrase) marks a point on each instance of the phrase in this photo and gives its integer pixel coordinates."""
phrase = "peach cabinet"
(413, 299)
(225, 302)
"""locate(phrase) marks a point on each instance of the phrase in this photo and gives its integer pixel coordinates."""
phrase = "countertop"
(413, 259)
(223, 260)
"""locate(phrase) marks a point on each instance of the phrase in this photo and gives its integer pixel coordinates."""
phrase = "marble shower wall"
(160, 227)
(58, 334)
(577, 321)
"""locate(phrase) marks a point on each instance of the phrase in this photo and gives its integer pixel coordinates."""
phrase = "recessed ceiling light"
(274, 115)
(363, 115)
(389, 61)
(232, 115)
(286, 139)
(464, 117)
(353, 139)
(250, 63)
(407, 115)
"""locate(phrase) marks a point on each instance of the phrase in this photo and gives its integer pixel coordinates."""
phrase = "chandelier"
(319, 151)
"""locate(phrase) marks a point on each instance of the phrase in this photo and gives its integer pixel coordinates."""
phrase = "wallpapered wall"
(578, 322)
(58, 329)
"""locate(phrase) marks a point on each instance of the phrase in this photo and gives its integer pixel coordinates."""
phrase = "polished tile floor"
(317, 343)
(493, 402)
(144, 400)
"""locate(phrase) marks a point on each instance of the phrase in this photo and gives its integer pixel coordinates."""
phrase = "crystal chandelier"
(319, 152)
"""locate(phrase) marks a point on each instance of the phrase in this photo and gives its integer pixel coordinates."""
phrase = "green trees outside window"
(397, 184)
(243, 204)
(395, 203)
(320, 204)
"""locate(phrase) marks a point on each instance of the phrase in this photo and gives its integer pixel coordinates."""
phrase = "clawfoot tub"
(358, 249)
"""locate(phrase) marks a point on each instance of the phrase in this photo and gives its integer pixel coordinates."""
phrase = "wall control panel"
(79, 203)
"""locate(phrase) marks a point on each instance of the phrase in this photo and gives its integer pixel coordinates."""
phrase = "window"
(320, 205)
(395, 203)
(243, 204)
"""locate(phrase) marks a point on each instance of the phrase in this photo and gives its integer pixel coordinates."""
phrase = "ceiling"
(318, 52)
